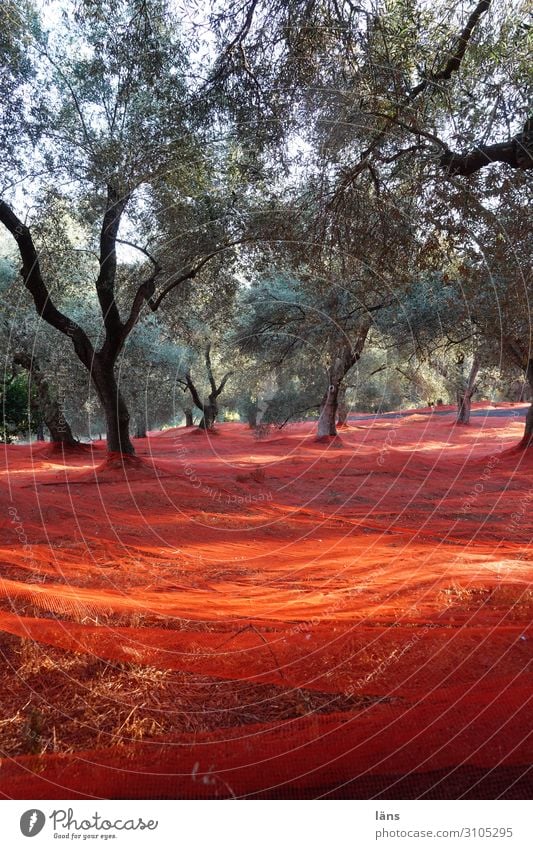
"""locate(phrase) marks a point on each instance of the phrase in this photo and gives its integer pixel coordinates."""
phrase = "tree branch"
(191, 273)
(517, 153)
(209, 369)
(34, 283)
(223, 383)
(237, 41)
(143, 295)
(452, 66)
(144, 251)
(457, 55)
(194, 393)
(105, 283)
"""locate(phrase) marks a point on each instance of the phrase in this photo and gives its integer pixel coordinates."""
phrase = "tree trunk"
(465, 393)
(39, 432)
(116, 413)
(140, 429)
(189, 420)
(252, 411)
(342, 407)
(58, 426)
(339, 368)
(210, 413)
(464, 403)
(527, 439)
(49, 407)
(208, 408)
(328, 412)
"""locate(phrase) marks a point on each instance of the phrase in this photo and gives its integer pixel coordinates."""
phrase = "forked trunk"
(210, 412)
(343, 361)
(209, 408)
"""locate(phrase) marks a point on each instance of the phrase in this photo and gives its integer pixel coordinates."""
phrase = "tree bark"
(189, 420)
(49, 407)
(251, 415)
(339, 368)
(210, 413)
(140, 427)
(209, 408)
(328, 411)
(527, 439)
(115, 410)
(465, 393)
(517, 153)
(342, 407)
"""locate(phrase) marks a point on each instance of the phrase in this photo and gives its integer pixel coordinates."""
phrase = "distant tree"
(16, 407)
(208, 404)
(48, 406)
(285, 319)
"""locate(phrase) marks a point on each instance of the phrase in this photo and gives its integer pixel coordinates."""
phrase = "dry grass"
(513, 600)
(57, 701)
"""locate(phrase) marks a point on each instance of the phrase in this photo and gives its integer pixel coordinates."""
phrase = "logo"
(32, 822)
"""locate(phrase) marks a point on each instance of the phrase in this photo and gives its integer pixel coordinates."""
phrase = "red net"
(350, 618)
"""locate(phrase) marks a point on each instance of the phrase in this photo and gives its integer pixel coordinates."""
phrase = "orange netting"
(388, 572)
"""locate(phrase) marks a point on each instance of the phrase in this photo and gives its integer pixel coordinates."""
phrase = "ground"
(259, 614)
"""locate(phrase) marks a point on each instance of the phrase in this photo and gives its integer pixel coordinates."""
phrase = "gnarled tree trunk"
(116, 413)
(209, 408)
(140, 427)
(519, 351)
(49, 407)
(339, 368)
(100, 364)
(527, 439)
(251, 415)
(210, 413)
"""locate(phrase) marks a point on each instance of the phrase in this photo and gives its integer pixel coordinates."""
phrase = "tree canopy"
(211, 205)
